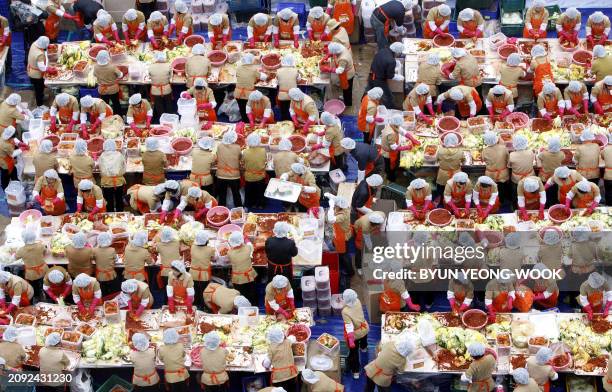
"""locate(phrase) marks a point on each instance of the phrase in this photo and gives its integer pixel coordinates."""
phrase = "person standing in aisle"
(53, 362)
(247, 74)
(520, 161)
(259, 29)
(161, 90)
(32, 253)
(240, 256)
(81, 163)
(168, 249)
(524, 383)
(389, 16)
(154, 163)
(311, 193)
(105, 257)
(383, 69)
(470, 24)
(367, 117)
(45, 159)
(365, 195)
(284, 158)
(586, 156)
(536, 20)
(390, 361)
(11, 113)
(8, 153)
(280, 249)
(550, 159)
(57, 285)
(139, 114)
(201, 268)
(197, 66)
(510, 74)
(280, 359)
(341, 68)
(343, 11)
(181, 22)
(339, 216)
(108, 76)
(539, 369)
(463, 68)
(451, 157)
(606, 155)
(429, 72)
(368, 158)
(287, 76)
(332, 136)
(279, 299)
(317, 381)
(133, 26)
(390, 146)
(228, 169)
(254, 162)
(205, 101)
(172, 356)
(38, 67)
(479, 374)
(365, 227)
(137, 296)
(86, 294)
(495, 156)
(214, 357)
(112, 170)
(355, 330)
(202, 161)
(135, 258)
(66, 108)
(145, 378)
(337, 33)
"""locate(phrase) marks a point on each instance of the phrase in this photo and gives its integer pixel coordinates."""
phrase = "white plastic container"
(325, 312)
(337, 176)
(308, 288)
(312, 304)
(26, 336)
(337, 303)
(36, 128)
(170, 120)
(324, 302)
(135, 71)
(322, 277)
(15, 194)
(186, 107)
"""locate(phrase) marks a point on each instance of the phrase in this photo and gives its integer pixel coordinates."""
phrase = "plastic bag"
(426, 333)
(19, 165)
(231, 109)
(81, 381)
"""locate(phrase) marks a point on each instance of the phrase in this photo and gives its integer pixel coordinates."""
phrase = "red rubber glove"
(127, 41)
(276, 41)
(523, 213)
(547, 117)
(607, 308)
(590, 40)
(201, 213)
(53, 124)
(296, 41)
(251, 42)
(139, 311)
(431, 109)
(171, 29)
(81, 307)
(224, 39)
(351, 339)
(267, 38)
(568, 203)
(263, 122)
(70, 126)
(79, 207)
(51, 70)
(505, 114)
(310, 35)
(541, 212)
(177, 214)
(454, 208)
(57, 200)
(307, 125)
(510, 303)
(84, 134)
(296, 123)
(10, 308)
(439, 108)
(488, 211)
(413, 209)
(452, 303)
(425, 118)
(92, 307)
(585, 106)
(189, 303)
(467, 208)
(207, 125)
(67, 291)
(96, 124)
(561, 111)
(412, 306)
(316, 147)
(283, 313)
(591, 208)
(251, 118)
(532, 33)
(589, 311)
(116, 35)
(463, 307)
(138, 35)
(479, 210)
(3, 304)
(39, 200)
(93, 213)
(602, 40)
(539, 297)
(427, 206)
(598, 108)
(130, 308)
(438, 31)
(171, 305)
(492, 315)
(180, 38)
(404, 148)
(153, 43)
(134, 128)
(106, 41)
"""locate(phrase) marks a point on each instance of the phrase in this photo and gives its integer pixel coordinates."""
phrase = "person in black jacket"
(364, 195)
(368, 158)
(87, 12)
(383, 69)
(280, 250)
(387, 17)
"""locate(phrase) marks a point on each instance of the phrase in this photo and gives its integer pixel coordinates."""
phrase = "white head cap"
(167, 234)
(104, 239)
(298, 168)
(374, 180)
(206, 143)
(62, 99)
(377, 218)
(597, 16)
(171, 336)
(152, 144)
(596, 280)
(587, 135)
(538, 3)
(275, 335)
(82, 280)
(375, 93)
(562, 172)
(584, 186)
(521, 376)
(241, 301)
(4, 276)
(46, 146)
(180, 7)
(288, 61)
(140, 238)
(538, 51)
(554, 144)
(56, 276)
(201, 238)
(599, 51)
(10, 334)
(444, 10)
(198, 50)
(160, 57)
(236, 239)
(458, 52)
(404, 346)
(520, 142)
(155, 16)
(571, 12)
(341, 202)
(460, 177)
(608, 80)
(87, 101)
(281, 229)
(316, 12)
(109, 145)
(212, 340)
(397, 120)
(350, 297)
(574, 86)
(466, 14)
(309, 376)
(407, 4)
(135, 99)
(335, 48)
(485, 180)
(476, 349)
(105, 19)
(512, 240)
(451, 140)
(256, 95)
(286, 13)
(347, 143)
(285, 145)
(328, 119)
(80, 147)
(544, 355)
(13, 99)
(53, 339)
(51, 174)
(194, 192)
(296, 94)
(418, 183)
(140, 341)
(422, 89)
(103, 57)
(397, 47)
(8, 132)
(531, 185)
(230, 137)
(260, 19)
(85, 185)
(514, 59)
(129, 286)
(131, 14)
(28, 236)
(456, 94)
(200, 82)
(551, 237)
(433, 59)
(280, 281)
(79, 240)
(42, 42)
(549, 88)
(498, 90)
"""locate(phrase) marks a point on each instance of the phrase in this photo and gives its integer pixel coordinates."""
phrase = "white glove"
(325, 143)
(398, 77)
(360, 175)
(332, 204)
(567, 260)
(329, 196)
(339, 70)
(367, 240)
(394, 146)
(465, 378)
(309, 189)
(266, 363)
(120, 75)
(16, 153)
(284, 176)
(369, 119)
(331, 217)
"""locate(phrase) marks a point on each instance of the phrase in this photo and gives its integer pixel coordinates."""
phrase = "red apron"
(428, 32)
(362, 123)
(285, 28)
(24, 300)
(464, 107)
(596, 301)
(300, 113)
(552, 106)
(280, 296)
(86, 294)
(213, 306)
(605, 100)
(470, 26)
(585, 200)
(394, 155)
(308, 200)
(370, 166)
(318, 29)
(258, 109)
(343, 13)
(179, 292)
(65, 114)
(57, 289)
(597, 30)
(52, 26)
(389, 301)
(259, 32)
(458, 196)
(180, 21)
(532, 200)
(536, 22)
(565, 188)
(484, 195)
(339, 239)
(543, 72)
(89, 203)
(132, 29)
(549, 302)
(140, 114)
(48, 194)
(500, 303)
(499, 105)
(107, 32)
(206, 114)
(459, 298)
(158, 29)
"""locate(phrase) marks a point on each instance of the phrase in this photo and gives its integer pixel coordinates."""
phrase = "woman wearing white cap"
(214, 356)
(90, 199)
(8, 153)
(479, 374)
(181, 22)
(601, 65)
(450, 157)
(339, 216)
(284, 158)
(66, 108)
(383, 68)
(311, 193)
(601, 95)
(365, 194)
(485, 196)
(536, 20)
(530, 196)
(462, 99)
(202, 161)
(139, 114)
(595, 295)
(240, 256)
(199, 201)
(365, 227)
(539, 369)
(576, 98)
(540, 67)
(568, 26)
(511, 72)
(55, 12)
(544, 288)
(133, 26)
(317, 382)
(57, 284)
(280, 359)
(390, 361)
(458, 194)
(463, 68)
(356, 329)
(146, 198)
(172, 356)
(280, 250)
(316, 24)
(259, 110)
(44, 159)
(112, 172)
(197, 66)
(520, 161)
(176, 198)
(228, 169)
(367, 117)
(522, 381)
(49, 193)
(11, 350)
(247, 74)
(145, 376)
(391, 147)
(428, 72)
(584, 194)
(343, 11)
(154, 163)
(222, 300)
(105, 29)
(332, 136)
(180, 290)
(499, 295)
(16, 289)
(53, 361)
(417, 100)
(136, 256)
(205, 100)
(287, 76)
(259, 29)
(136, 296)
(369, 159)
(437, 21)
(470, 24)
(286, 26)
(597, 28)
(550, 101)
(93, 110)
(418, 197)
(157, 28)
(279, 298)
(32, 253)
(550, 159)
(303, 110)
(219, 30)
(201, 268)
(168, 249)
(11, 113)
(161, 90)
(499, 103)
(106, 257)
(254, 160)
(460, 293)
(86, 294)
(586, 156)
(550, 252)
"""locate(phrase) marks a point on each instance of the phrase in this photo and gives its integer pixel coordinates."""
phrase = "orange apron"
(280, 296)
(179, 292)
(464, 107)
(135, 299)
(206, 114)
(596, 301)
(458, 196)
(308, 200)
(180, 20)
(87, 295)
(318, 29)
(569, 25)
(142, 206)
(605, 100)
(57, 289)
(543, 72)
(65, 114)
(549, 302)
(10, 163)
(523, 301)
(24, 300)
(422, 100)
(585, 200)
(158, 29)
(292, 369)
(576, 100)
(218, 32)
(394, 155)
(428, 32)
(198, 178)
(104, 275)
(200, 271)
(339, 239)
(564, 189)
(418, 201)
(258, 109)
(89, 203)
(344, 83)
(484, 195)
(500, 303)
(459, 298)
(389, 301)
(93, 116)
(470, 26)
(482, 385)
(370, 166)
(532, 200)
(535, 25)
(146, 378)
(132, 29)
(552, 106)
(161, 87)
(300, 113)
(48, 194)
(285, 29)
(362, 123)
(499, 105)
(213, 306)
(343, 13)
(107, 32)
(259, 32)
(139, 114)
(52, 26)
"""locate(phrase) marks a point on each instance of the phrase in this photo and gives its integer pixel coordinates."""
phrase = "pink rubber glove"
(491, 114)
(116, 35)
(134, 128)
(379, 119)
(491, 312)
(539, 297)
(427, 206)
(153, 43)
(468, 204)
(106, 41)
(138, 35)
(130, 308)
(547, 117)
(251, 42)
(206, 106)
(568, 203)
(541, 212)
(561, 111)
(51, 295)
(411, 137)
(573, 111)
(171, 305)
(186, 95)
(488, 211)
(295, 121)
(598, 108)
(412, 306)
(251, 118)
(70, 126)
(162, 216)
(171, 29)
(53, 124)
(452, 303)
(479, 209)
(590, 40)
(79, 207)
(307, 125)
(454, 208)
(296, 41)
(3, 304)
(585, 105)
(354, 8)
(96, 124)
(351, 339)
(479, 33)
(523, 213)
(438, 31)
(510, 303)
(67, 291)
(505, 114)
(139, 311)
(276, 41)
(10, 308)
(57, 200)
(39, 200)
(127, 41)
(431, 109)
(404, 148)
(263, 122)
(180, 38)
(224, 39)
(602, 40)
(189, 303)
(149, 118)
(463, 307)
(81, 307)
(589, 311)
(93, 213)
(283, 313)
(92, 307)
(310, 35)
(316, 147)
(591, 208)
(607, 308)
(207, 125)
(267, 38)
(413, 209)
(425, 119)
(201, 213)
(177, 214)
(439, 108)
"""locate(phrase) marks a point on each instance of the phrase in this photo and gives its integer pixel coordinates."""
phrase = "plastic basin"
(582, 57)
(224, 231)
(182, 145)
(299, 331)
(602, 140)
(54, 140)
(30, 216)
(217, 57)
(271, 61)
(193, 40)
(448, 124)
(518, 119)
(160, 131)
(459, 137)
(443, 40)
(95, 146)
(298, 143)
(214, 216)
(178, 65)
(557, 363)
(557, 214)
(506, 50)
(474, 313)
(94, 50)
(334, 106)
(439, 217)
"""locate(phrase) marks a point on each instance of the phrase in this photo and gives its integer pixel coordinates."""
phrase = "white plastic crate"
(170, 120)
(15, 194)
